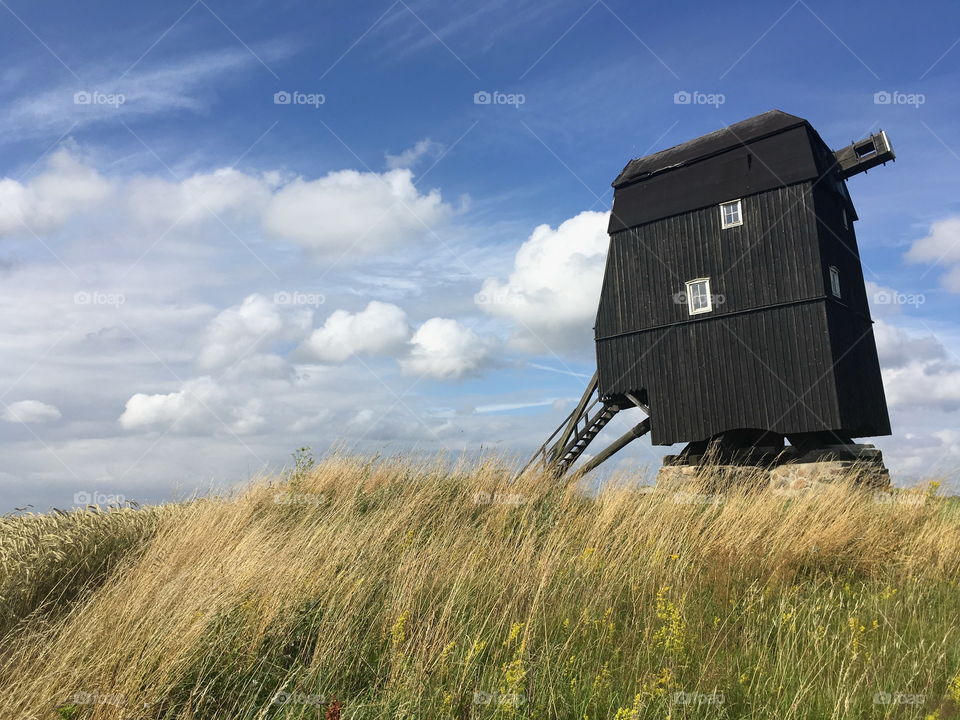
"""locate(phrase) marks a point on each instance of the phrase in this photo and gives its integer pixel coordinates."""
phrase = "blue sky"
(198, 279)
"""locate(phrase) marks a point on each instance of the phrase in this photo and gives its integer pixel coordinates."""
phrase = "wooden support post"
(638, 430)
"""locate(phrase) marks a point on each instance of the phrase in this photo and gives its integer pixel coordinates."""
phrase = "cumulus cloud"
(198, 197)
(412, 155)
(444, 349)
(897, 348)
(553, 291)
(240, 331)
(917, 370)
(364, 211)
(30, 411)
(380, 328)
(201, 405)
(143, 410)
(47, 201)
(941, 246)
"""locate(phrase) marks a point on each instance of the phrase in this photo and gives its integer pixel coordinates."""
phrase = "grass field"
(384, 589)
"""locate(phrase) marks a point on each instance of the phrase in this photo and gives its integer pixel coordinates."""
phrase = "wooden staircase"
(592, 426)
(569, 441)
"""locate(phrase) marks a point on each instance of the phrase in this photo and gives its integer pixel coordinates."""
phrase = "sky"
(229, 230)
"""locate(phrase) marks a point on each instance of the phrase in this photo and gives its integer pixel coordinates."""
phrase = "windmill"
(733, 310)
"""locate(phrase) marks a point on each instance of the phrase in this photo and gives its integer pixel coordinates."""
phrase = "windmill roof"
(740, 133)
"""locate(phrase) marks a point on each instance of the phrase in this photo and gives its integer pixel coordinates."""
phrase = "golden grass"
(385, 589)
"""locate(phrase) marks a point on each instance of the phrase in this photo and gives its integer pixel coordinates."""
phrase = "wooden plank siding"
(778, 352)
(772, 258)
(768, 369)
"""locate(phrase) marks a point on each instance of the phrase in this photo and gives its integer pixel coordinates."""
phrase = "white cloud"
(941, 246)
(553, 291)
(181, 407)
(412, 155)
(357, 211)
(240, 331)
(380, 328)
(444, 349)
(31, 411)
(345, 210)
(198, 197)
(189, 83)
(201, 405)
(916, 370)
(897, 348)
(46, 202)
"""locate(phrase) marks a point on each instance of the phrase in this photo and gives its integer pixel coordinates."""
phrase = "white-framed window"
(699, 299)
(731, 214)
(835, 281)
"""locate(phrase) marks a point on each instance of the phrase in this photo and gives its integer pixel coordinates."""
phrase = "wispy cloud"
(188, 84)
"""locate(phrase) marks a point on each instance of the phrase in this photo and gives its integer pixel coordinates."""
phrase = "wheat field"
(372, 588)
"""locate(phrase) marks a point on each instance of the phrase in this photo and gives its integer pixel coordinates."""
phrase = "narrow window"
(846, 219)
(698, 296)
(835, 281)
(731, 214)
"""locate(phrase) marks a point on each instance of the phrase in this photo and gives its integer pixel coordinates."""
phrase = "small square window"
(731, 214)
(835, 281)
(698, 296)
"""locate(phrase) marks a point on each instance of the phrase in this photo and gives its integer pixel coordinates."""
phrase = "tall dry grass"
(48, 561)
(361, 589)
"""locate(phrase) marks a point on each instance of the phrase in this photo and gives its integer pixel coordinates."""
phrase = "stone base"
(803, 476)
(711, 478)
(787, 473)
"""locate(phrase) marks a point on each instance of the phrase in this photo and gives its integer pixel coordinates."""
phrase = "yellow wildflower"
(953, 688)
(515, 630)
(398, 633)
(672, 635)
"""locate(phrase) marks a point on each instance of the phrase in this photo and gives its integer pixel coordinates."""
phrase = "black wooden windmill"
(733, 308)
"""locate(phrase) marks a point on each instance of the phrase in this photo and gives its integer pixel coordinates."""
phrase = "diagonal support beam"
(638, 430)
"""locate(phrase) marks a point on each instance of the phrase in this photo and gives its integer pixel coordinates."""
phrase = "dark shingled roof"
(729, 137)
